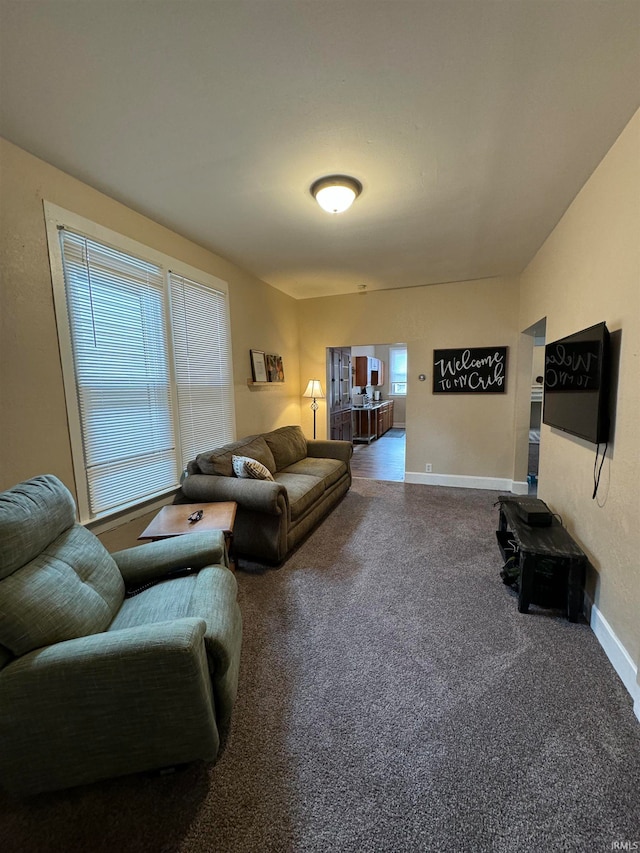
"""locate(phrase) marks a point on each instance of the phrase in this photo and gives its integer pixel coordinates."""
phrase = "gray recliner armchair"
(94, 684)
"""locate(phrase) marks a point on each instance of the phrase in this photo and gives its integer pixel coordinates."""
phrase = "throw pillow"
(245, 466)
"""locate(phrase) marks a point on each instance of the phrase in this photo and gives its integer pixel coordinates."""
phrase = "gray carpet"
(391, 698)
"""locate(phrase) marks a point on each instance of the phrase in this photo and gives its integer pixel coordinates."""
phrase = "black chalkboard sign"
(478, 370)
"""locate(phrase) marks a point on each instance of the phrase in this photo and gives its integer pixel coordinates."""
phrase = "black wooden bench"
(550, 543)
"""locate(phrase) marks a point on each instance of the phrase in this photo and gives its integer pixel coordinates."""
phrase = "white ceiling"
(471, 125)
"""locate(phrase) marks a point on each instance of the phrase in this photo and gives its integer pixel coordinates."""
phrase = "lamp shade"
(314, 389)
(337, 193)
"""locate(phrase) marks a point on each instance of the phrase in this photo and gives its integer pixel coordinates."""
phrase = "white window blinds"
(146, 362)
(204, 378)
(116, 318)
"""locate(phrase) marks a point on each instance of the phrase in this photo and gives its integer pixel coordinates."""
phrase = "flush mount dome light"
(336, 193)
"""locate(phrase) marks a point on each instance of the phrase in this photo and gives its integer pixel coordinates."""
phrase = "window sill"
(125, 516)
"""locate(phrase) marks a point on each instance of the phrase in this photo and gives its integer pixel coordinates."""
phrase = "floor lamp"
(314, 389)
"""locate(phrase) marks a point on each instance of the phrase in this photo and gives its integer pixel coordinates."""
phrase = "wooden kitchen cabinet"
(369, 371)
(385, 418)
(362, 370)
(341, 426)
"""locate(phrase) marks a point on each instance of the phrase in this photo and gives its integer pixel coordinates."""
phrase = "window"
(202, 351)
(145, 348)
(398, 370)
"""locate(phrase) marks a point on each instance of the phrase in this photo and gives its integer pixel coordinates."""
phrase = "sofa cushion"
(219, 462)
(246, 467)
(303, 491)
(72, 589)
(287, 444)
(330, 470)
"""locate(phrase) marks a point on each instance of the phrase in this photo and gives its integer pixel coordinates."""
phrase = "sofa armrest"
(330, 449)
(155, 559)
(256, 495)
(71, 706)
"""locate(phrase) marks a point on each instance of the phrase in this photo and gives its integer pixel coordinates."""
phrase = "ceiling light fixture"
(336, 193)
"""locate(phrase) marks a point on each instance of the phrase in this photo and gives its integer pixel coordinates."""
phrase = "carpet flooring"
(392, 699)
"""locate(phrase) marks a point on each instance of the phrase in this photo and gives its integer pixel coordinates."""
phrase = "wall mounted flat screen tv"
(576, 384)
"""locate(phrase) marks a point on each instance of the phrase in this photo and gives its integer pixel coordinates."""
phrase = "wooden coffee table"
(173, 520)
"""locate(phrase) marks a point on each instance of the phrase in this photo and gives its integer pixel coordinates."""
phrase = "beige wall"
(587, 271)
(33, 421)
(460, 434)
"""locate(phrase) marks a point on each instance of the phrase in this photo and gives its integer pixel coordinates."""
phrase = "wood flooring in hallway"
(382, 459)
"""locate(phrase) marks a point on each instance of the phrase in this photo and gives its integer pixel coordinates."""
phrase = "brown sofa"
(309, 478)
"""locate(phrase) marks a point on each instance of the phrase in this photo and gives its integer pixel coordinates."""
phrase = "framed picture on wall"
(258, 366)
(275, 367)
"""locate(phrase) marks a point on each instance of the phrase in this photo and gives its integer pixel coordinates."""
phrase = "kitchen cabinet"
(369, 371)
(385, 418)
(362, 370)
(341, 426)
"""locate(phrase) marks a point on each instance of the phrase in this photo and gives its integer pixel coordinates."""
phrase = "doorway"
(375, 407)
(535, 411)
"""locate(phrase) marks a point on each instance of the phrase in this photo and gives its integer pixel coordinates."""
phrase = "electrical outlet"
(427, 467)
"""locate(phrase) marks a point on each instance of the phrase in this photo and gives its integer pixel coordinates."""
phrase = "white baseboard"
(618, 656)
(496, 484)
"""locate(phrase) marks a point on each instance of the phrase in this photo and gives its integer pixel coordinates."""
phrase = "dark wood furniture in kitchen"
(385, 417)
(340, 426)
(534, 546)
(369, 371)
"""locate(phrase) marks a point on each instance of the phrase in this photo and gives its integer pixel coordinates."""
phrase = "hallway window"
(398, 370)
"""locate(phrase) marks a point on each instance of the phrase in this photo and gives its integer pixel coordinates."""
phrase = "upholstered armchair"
(95, 683)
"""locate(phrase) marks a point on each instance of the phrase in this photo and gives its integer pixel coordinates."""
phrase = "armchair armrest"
(216, 595)
(155, 559)
(330, 448)
(71, 704)
(257, 495)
